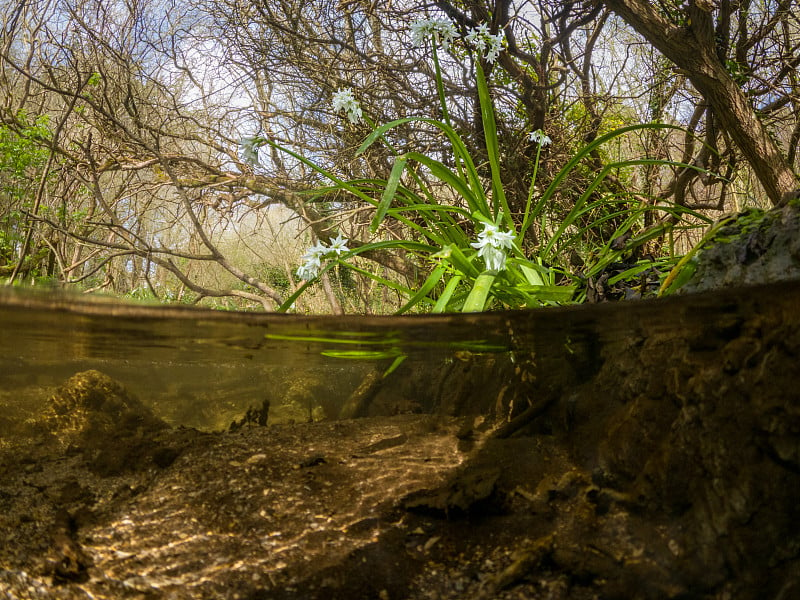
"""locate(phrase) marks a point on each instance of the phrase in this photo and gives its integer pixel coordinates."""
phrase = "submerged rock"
(94, 415)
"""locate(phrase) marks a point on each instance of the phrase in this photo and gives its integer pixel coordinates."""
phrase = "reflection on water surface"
(204, 368)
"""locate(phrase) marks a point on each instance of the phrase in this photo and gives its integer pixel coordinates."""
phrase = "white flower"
(312, 262)
(419, 32)
(490, 245)
(316, 252)
(495, 46)
(442, 31)
(494, 258)
(338, 245)
(307, 271)
(312, 259)
(477, 36)
(249, 150)
(343, 100)
(485, 43)
(540, 138)
(492, 236)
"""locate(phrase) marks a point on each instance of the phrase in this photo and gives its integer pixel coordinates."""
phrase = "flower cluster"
(343, 100)
(539, 137)
(312, 259)
(484, 41)
(442, 31)
(491, 246)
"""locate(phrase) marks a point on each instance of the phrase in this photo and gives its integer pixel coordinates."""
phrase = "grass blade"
(424, 289)
(389, 192)
(499, 202)
(444, 299)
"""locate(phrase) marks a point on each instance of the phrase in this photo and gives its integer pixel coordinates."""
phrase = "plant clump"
(500, 267)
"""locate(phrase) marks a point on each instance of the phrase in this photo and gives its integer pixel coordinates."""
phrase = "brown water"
(663, 463)
(203, 368)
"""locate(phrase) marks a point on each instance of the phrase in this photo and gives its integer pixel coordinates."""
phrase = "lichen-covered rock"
(754, 247)
(91, 405)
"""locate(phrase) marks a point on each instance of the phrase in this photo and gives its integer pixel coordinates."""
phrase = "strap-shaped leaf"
(444, 299)
(476, 301)
(499, 203)
(389, 192)
(461, 154)
(424, 289)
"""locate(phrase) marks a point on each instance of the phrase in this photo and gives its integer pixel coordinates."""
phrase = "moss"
(752, 247)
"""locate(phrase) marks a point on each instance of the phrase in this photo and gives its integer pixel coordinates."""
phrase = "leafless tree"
(742, 59)
(148, 102)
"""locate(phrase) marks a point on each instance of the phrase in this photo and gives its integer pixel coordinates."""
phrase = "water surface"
(204, 368)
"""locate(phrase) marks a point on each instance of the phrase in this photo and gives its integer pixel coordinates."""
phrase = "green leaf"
(339, 183)
(499, 202)
(678, 277)
(461, 155)
(460, 261)
(551, 293)
(433, 209)
(579, 156)
(629, 273)
(533, 274)
(387, 282)
(287, 304)
(400, 244)
(360, 354)
(580, 207)
(476, 202)
(424, 289)
(396, 363)
(476, 301)
(444, 299)
(389, 192)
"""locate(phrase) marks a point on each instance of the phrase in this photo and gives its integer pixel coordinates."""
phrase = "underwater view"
(578, 452)
(203, 368)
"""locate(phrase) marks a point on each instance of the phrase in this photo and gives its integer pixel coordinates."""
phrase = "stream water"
(632, 450)
(202, 368)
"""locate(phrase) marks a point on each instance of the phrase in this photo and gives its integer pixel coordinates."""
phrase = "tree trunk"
(693, 50)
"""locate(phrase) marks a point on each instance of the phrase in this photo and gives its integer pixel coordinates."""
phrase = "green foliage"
(145, 294)
(495, 271)
(22, 159)
(739, 72)
(6, 246)
(22, 155)
(276, 278)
